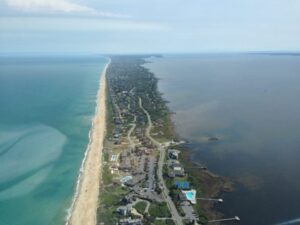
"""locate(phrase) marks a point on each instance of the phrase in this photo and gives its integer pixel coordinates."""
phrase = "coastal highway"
(131, 143)
(162, 151)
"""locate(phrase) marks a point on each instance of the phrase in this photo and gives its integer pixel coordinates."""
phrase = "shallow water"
(250, 102)
(46, 109)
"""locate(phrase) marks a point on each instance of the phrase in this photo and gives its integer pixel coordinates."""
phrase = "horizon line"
(24, 54)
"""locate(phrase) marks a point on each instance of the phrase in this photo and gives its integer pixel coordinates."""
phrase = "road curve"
(165, 191)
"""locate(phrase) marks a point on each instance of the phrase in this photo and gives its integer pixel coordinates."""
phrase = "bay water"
(250, 104)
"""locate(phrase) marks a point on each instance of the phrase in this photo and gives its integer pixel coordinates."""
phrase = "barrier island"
(147, 174)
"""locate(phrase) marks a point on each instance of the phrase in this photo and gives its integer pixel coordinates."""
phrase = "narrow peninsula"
(147, 176)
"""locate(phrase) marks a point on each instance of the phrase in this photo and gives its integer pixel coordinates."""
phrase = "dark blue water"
(46, 107)
(250, 102)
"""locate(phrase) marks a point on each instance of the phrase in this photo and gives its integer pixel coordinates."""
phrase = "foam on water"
(294, 221)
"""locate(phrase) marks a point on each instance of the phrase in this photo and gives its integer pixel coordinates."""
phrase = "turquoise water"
(250, 102)
(189, 195)
(46, 107)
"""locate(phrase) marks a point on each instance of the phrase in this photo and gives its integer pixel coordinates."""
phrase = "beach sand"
(84, 206)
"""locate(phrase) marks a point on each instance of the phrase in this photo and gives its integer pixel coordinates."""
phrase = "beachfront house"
(124, 210)
(129, 221)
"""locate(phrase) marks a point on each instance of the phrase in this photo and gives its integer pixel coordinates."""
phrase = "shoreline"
(83, 209)
(212, 185)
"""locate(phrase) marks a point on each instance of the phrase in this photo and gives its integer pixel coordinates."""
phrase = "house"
(138, 131)
(178, 171)
(129, 221)
(125, 165)
(124, 210)
(175, 169)
(125, 162)
(173, 154)
(126, 199)
(171, 174)
(126, 179)
(172, 162)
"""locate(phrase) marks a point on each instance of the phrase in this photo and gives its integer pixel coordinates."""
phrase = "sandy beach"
(84, 206)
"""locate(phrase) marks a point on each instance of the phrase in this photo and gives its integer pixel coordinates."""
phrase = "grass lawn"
(106, 175)
(164, 222)
(140, 207)
(159, 210)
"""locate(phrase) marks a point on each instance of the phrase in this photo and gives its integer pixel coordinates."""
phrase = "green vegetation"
(202, 217)
(159, 210)
(140, 207)
(113, 196)
(109, 115)
(110, 200)
(102, 216)
(164, 222)
(106, 176)
(105, 156)
(165, 130)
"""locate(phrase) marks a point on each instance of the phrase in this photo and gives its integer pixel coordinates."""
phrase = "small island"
(213, 139)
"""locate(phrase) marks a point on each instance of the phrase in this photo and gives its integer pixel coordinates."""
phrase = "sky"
(148, 26)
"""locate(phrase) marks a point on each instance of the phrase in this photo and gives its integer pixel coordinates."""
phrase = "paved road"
(165, 192)
(149, 127)
(131, 143)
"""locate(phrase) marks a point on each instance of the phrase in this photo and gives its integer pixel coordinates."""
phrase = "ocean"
(250, 103)
(46, 108)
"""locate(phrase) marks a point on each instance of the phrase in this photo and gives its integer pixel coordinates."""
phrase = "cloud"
(9, 24)
(48, 5)
(60, 6)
